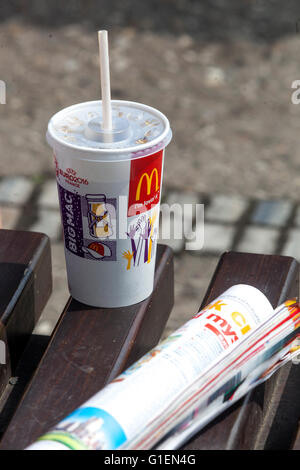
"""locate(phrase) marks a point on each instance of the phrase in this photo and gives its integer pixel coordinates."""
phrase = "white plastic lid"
(137, 130)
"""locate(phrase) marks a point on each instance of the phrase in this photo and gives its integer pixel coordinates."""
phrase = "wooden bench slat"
(284, 427)
(25, 369)
(296, 443)
(71, 371)
(25, 286)
(248, 424)
(88, 348)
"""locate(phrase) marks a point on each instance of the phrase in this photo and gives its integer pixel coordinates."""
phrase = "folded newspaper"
(161, 401)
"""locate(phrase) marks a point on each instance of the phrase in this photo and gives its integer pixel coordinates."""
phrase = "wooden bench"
(89, 347)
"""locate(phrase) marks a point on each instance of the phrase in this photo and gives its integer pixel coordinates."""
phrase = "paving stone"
(272, 212)
(176, 245)
(183, 218)
(182, 197)
(217, 238)
(48, 197)
(60, 292)
(192, 275)
(15, 190)
(226, 208)
(195, 235)
(48, 222)
(44, 327)
(259, 240)
(297, 217)
(180, 220)
(292, 245)
(9, 217)
(172, 215)
(174, 241)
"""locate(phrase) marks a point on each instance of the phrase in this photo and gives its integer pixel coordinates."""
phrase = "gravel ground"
(221, 71)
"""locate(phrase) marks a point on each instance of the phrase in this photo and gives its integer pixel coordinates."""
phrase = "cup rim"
(156, 144)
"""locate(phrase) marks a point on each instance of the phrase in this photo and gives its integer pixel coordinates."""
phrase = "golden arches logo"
(148, 182)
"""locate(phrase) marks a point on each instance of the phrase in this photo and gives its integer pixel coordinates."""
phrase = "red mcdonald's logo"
(145, 181)
(148, 182)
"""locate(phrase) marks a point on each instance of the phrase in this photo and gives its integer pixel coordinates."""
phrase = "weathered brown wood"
(296, 444)
(25, 369)
(25, 286)
(284, 427)
(88, 348)
(249, 424)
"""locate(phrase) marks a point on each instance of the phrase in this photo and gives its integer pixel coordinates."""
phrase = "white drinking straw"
(105, 80)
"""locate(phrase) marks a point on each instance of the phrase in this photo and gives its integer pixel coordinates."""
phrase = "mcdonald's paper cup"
(109, 190)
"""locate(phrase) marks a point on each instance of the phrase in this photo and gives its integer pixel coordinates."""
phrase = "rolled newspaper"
(138, 399)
